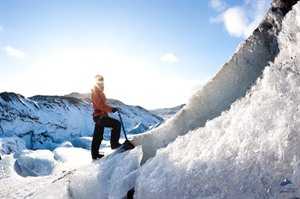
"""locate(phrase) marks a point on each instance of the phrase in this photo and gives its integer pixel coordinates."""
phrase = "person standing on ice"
(101, 119)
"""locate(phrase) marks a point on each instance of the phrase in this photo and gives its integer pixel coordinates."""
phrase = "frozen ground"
(246, 151)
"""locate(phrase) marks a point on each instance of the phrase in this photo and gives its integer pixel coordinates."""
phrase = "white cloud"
(169, 57)
(235, 21)
(14, 52)
(240, 21)
(218, 5)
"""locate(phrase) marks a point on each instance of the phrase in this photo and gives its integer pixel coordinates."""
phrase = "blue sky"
(152, 53)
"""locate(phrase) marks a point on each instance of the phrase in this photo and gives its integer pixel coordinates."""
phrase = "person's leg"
(115, 132)
(96, 141)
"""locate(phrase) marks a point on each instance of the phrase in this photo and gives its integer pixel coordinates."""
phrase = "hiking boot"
(115, 146)
(97, 156)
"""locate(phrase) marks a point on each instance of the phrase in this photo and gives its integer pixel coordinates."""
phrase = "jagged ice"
(245, 152)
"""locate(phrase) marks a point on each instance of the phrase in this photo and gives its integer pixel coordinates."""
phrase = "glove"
(114, 109)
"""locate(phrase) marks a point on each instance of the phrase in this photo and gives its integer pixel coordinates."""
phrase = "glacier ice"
(110, 177)
(248, 150)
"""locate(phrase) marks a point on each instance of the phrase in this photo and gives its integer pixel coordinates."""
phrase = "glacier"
(238, 137)
(232, 82)
(248, 150)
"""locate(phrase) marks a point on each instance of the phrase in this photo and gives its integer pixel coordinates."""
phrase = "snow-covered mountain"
(44, 122)
(237, 138)
(167, 113)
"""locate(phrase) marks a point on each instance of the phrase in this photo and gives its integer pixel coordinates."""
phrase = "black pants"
(100, 123)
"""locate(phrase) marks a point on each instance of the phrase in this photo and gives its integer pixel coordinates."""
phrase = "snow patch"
(110, 177)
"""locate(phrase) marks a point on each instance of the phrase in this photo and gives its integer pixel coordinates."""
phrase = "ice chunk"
(11, 145)
(139, 128)
(74, 157)
(35, 163)
(82, 142)
(110, 177)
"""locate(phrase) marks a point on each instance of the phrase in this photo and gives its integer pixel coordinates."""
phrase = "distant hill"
(84, 96)
(166, 113)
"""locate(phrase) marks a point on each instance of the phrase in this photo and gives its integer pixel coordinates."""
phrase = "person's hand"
(114, 109)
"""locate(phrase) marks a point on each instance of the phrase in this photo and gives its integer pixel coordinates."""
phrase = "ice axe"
(127, 145)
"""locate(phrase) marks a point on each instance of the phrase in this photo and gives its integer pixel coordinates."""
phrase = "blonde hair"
(99, 78)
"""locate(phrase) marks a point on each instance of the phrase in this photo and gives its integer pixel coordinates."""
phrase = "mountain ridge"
(40, 119)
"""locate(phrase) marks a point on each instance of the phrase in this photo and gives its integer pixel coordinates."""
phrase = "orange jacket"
(99, 103)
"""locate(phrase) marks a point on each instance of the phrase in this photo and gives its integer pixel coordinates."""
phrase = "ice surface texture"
(248, 150)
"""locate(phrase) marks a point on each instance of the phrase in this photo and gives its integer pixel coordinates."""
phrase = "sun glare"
(127, 78)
